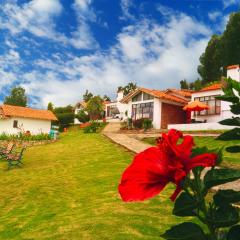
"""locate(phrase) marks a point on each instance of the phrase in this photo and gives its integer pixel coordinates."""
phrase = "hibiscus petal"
(145, 177)
(204, 160)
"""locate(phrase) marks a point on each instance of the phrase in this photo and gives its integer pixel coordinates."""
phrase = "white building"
(15, 119)
(117, 108)
(218, 110)
(162, 107)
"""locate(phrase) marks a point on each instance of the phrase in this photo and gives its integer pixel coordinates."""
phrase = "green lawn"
(68, 190)
(230, 159)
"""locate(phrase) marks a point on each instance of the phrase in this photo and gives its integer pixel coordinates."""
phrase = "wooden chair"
(7, 149)
(15, 158)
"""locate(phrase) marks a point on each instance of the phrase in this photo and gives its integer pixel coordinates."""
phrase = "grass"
(230, 159)
(68, 190)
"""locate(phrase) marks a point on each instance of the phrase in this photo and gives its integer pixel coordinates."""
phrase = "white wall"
(157, 111)
(35, 126)
(199, 126)
(234, 73)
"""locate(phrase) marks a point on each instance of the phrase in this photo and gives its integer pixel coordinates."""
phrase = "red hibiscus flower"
(152, 169)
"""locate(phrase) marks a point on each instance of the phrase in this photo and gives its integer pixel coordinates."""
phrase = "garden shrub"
(124, 125)
(147, 124)
(129, 123)
(139, 123)
(82, 116)
(24, 137)
(94, 127)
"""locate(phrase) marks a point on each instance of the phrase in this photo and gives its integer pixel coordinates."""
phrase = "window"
(147, 96)
(137, 98)
(212, 102)
(143, 110)
(15, 124)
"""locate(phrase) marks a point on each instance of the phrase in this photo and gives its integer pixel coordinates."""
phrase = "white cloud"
(228, 3)
(35, 17)
(125, 6)
(82, 37)
(83, 5)
(151, 54)
(132, 46)
(38, 18)
(214, 15)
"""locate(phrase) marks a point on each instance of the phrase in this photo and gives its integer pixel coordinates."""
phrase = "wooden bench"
(15, 158)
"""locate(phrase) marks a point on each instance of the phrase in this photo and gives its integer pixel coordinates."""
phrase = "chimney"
(234, 72)
(120, 95)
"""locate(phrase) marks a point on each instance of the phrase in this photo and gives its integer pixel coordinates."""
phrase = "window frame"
(140, 108)
(206, 99)
(15, 123)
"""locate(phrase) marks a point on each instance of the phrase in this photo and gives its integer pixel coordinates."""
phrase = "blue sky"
(56, 49)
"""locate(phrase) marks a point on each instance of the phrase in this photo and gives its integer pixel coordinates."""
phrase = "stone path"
(131, 142)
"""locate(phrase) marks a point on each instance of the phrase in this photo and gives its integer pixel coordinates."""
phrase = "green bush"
(65, 120)
(24, 137)
(94, 127)
(82, 117)
(138, 123)
(123, 125)
(129, 123)
(147, 124)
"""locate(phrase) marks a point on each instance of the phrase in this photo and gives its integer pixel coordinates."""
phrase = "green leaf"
(199, 150)
(234, 233)
(233, 134)
(216, 177)
(185, 205)
(185, 231)
(228, 98)
(236, 85)
(231, 121)
(226, 197)
(224, 216)
(235, 108)
(233, 149)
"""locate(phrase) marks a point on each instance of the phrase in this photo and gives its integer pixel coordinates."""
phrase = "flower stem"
(203, 206)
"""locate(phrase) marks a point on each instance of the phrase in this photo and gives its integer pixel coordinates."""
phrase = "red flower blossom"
(152, 169)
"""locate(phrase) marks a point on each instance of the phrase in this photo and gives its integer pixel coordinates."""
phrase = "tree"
(50, 107)
(184, 84)
(65, 116)
(82, 116)
(17, 97)
(87, 96)
(210, 68)
(106, 98)
(95, 107)
(197, 85)
(230, 42)
(128, 88)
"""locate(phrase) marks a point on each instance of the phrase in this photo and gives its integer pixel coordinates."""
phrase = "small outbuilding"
(15, 119)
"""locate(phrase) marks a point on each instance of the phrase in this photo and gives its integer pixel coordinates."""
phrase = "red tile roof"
(182, 92)
(215, 86)
(157, 94)
(25, 112)
(232, 67)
